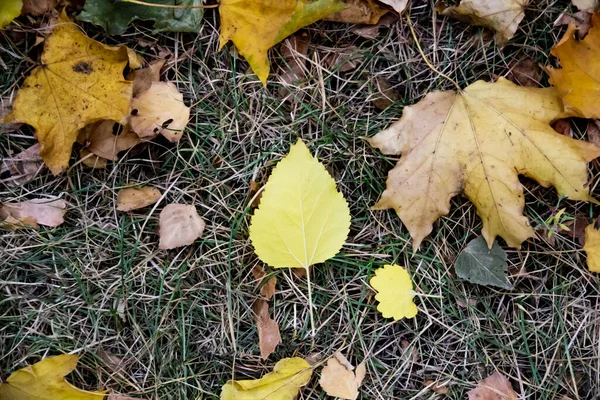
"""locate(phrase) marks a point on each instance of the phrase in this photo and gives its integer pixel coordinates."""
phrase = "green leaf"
(483, 266)
(115, 16)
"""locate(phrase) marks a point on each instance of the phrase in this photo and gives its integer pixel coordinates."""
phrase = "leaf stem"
(143, 3)
(310, 303)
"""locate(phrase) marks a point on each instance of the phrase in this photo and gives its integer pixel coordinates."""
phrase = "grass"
(181, 320)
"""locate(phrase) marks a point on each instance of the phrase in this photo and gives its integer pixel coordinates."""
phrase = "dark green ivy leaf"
(483, 266)
(115, 16)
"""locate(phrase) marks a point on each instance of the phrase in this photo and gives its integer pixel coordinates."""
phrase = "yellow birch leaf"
(288, 376)
(9, 10)
(503, 16)
(45, 380)
(395, 292)
(577, 79)
(302, 219)
(479, 141)
(79, 81)
(592, 247)
(254, 26)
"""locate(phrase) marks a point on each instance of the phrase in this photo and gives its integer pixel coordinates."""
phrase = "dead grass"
(181, 319)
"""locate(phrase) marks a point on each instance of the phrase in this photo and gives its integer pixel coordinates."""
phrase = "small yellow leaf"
(45, 380)
(592, 247)
(180, 225)
(339, 380)
(9, 10)
(395, 292)
(130, 199)
(288, 376)
(160, 109)
(302, 219)
(79, 81)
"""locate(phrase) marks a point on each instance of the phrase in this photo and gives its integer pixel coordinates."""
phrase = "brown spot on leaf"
(83, 68)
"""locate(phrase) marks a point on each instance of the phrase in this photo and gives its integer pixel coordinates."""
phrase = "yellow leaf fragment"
(302, 219)
(503, 16)
(180, 225)
(494, 387)
(45, 380)
(160, 109)
(578, 80)
(284, 383)
(254, 26)
(80, 81)
(42, 211)
(338, 380)
(395, 292)
(130, 199)
(478, 141)
(592, 247)
(9, 10)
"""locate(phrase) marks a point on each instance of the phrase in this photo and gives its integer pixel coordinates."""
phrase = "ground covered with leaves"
(177, 324)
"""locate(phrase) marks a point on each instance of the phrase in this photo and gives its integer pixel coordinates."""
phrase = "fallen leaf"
(576, 229)
(91, 160)
(45, 380)
(43, 211)
(479, 264)
(302, 219)
(386, 94)
(284, 383)
(9, 10)
(479, 141)
(254, 26)
(494, 387)
(581, 19)
(358, 12)
(115, 16)
(526, 72)
(592, 247)
(338, 380)
(293, 51)
(398, 5)
(585, 4)
(563, 126)
(130, 199)
(343, 59)
(394, 292)
(160, 109)
(180, 225)
(252, 194)
(99, 139)
(23, 167)
(268, 330)
(502, 16)
(577, 79)
(38, 7)
(268, 289)
(436, 387)
(79, 82)
(143, 78)
(593, 132)
(372, 31)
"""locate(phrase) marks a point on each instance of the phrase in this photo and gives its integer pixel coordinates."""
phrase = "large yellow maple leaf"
(479, 141)
(79, 81)
(45, 380)
(578, 79)
(254, 26)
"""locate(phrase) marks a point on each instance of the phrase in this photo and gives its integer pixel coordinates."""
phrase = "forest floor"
(181, 320)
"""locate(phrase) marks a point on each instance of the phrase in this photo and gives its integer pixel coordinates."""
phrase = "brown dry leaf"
(143, 78)
(581, 19)
(586, 4)
(358, 12)
(23, 167)
(160, 109)
(578, 80)
(130, 199)
(436, 387)
(180, 225)
(43, 211)
(593, 132)
(5, 108)
(91, 160)
(386, 94)
(478, 141)
(268, 330)
(526, 73)
(502, 16)
(339, 380)
(494, 387)
(98, 138)
(37, 7)
(268, 289)
(293, 51)
(372, 31)
(252, 193)
(343, 59)
(398, 5)
(563, 126)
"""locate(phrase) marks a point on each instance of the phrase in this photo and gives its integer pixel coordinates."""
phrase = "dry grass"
(181, 319)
